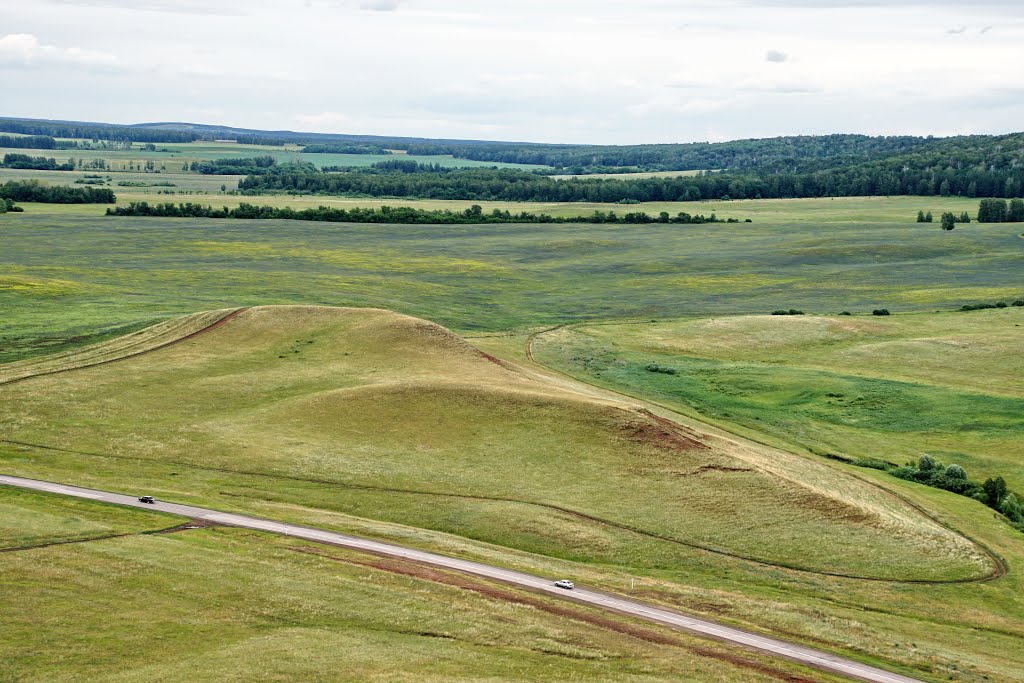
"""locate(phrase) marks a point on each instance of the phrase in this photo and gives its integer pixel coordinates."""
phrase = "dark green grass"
(115, 271)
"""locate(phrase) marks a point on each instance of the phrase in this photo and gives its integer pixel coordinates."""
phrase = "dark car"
(147, 499)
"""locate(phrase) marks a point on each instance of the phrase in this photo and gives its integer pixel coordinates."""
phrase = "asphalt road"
(633, 608)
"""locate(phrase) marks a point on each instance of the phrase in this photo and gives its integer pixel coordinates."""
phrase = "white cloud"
(24, 49)
(380, 5)
(776, 56)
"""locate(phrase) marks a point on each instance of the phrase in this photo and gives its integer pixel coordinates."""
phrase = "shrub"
(956, 472)
(846, 313)
(654, 367)
(880, 311)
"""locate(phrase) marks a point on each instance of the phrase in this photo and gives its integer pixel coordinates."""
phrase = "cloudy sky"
(597, 71)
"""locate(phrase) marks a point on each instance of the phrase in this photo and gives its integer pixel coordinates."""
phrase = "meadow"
(889, 389)
(246, 418)
(68, 273)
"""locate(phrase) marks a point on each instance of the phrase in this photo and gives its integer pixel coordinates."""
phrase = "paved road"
(633, 608)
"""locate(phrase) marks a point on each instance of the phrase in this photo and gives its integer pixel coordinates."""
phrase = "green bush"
(880, 311)
(654, 367)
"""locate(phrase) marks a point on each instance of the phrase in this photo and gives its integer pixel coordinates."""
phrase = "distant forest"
(870, 179)
(783, 167)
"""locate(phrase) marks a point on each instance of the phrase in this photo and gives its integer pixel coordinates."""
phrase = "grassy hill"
(378, 401)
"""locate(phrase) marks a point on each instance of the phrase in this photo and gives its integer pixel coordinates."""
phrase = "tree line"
(7, 205)
(790, 153)
(402, 214)
(27, 142)
(517, 185)
(1001, 211)
(24, 161)
(32, 191)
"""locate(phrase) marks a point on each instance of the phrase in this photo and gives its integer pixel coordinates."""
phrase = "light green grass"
(126, 411)
(630, 176)
(30, 520)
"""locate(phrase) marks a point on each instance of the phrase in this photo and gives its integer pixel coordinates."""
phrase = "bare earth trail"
(599, 600)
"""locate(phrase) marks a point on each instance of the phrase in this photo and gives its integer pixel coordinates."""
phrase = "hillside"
(383, 405)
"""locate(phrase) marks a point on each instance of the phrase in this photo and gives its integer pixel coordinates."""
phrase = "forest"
(238, 166)
(874, 179)
(93, 131)
(24, 161)
(33, 191)
(27, 142)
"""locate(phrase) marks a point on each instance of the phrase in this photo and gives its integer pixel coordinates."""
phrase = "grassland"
(247, 606)
(259, 420)
(67, 272)
(253, 417)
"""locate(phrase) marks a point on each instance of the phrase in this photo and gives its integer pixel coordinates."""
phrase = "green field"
(630, 176)
(170, 157)
(66, 272)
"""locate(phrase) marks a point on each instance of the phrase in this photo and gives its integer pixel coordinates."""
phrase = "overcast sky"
(595, 71)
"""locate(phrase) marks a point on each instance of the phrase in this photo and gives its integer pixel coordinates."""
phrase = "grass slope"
(376, 400)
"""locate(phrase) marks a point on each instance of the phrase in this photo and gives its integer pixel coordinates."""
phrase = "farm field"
(238, 443)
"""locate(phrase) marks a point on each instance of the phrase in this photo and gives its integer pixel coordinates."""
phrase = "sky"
(576, 71)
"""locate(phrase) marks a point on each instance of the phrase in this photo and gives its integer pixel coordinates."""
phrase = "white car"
(565, 583)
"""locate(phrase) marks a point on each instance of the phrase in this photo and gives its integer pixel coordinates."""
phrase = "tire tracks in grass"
(72, 541)
(1000, 567)
(134, 354)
